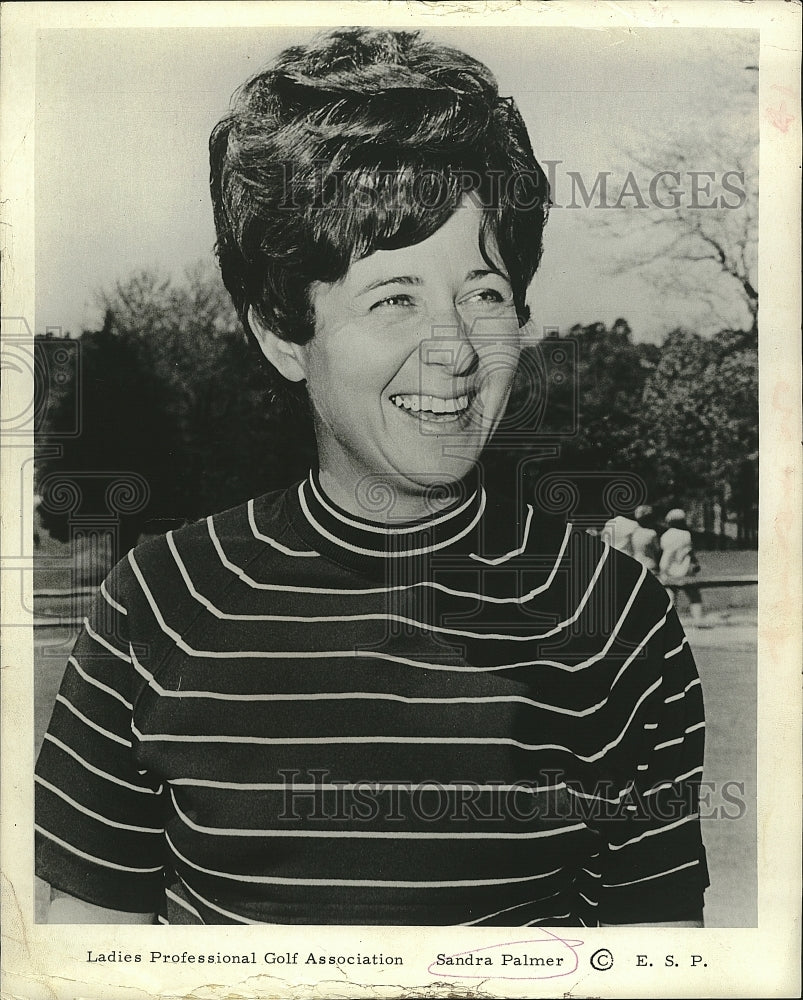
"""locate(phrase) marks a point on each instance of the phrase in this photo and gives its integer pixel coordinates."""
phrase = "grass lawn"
(727, 669)
(736, 563)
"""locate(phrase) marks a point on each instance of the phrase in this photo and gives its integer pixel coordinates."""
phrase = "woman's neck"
(389, 500)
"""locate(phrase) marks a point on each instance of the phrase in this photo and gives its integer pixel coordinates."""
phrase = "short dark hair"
(364, 140)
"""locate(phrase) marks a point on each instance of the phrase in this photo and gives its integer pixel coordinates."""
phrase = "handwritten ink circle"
(601, 960)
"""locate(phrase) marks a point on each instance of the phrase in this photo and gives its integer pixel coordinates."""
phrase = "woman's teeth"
(432, 407)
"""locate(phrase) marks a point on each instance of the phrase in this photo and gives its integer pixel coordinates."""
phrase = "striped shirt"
(285, 714)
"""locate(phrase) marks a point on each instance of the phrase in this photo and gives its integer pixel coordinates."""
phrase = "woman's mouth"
(438, 409)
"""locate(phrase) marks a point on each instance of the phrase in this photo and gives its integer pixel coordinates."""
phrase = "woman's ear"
(284, 355)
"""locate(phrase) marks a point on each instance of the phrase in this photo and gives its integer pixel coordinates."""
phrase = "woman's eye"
(486, 295)
(393, 300)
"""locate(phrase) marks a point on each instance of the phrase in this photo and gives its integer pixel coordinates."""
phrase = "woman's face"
(411, 364)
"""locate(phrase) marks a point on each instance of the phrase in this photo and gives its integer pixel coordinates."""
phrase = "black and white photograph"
(382, 425)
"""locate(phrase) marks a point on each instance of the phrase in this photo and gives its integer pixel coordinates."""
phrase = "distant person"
(679, 563)
(618, 533)
(644, 540)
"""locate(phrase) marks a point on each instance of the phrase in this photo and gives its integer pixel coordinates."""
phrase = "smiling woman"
(383, 695)
(376, 191)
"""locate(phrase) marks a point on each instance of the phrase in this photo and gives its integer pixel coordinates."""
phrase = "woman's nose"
(447, 344)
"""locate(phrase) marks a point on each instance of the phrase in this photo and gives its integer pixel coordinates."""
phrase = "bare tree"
(690, 223)
(706, 251)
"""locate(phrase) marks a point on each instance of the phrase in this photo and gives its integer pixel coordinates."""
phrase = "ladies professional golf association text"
(243, 958)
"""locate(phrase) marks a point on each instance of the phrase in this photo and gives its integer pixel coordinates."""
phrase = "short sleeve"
(99, 826)
(653, 865)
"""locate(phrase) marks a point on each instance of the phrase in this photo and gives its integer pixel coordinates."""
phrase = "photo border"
(47, 960)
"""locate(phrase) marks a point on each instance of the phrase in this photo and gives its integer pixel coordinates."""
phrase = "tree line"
(168, 389)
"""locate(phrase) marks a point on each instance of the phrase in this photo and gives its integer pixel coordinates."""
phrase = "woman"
(679, 564)
(646, 548)
(378, 697)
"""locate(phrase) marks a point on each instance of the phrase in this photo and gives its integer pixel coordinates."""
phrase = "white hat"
(676, 514)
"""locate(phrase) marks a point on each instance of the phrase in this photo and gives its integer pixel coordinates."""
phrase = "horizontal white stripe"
(509, 909)
(654, 833)
(97, 770)
(94, 815)
(183, 904)
(650, 725)
(380, 616)
(343, 740)
(689, 729)
(104, 642)
(110, 600)
(389, 531)
(91, 857)
(218, 909)
(356, 834)
(498, 560)
(91, 724)
(99, 684)
(384, 883)
(544, 920)
(350, 786)
(392, 554)
(669, 784)
(302, 554)
(249, 581)
(600, 798)
(648, 878)
(668, 743)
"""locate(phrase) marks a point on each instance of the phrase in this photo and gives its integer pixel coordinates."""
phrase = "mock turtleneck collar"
(366, 546)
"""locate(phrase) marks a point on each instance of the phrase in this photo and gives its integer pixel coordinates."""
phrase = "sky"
(123, 118)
